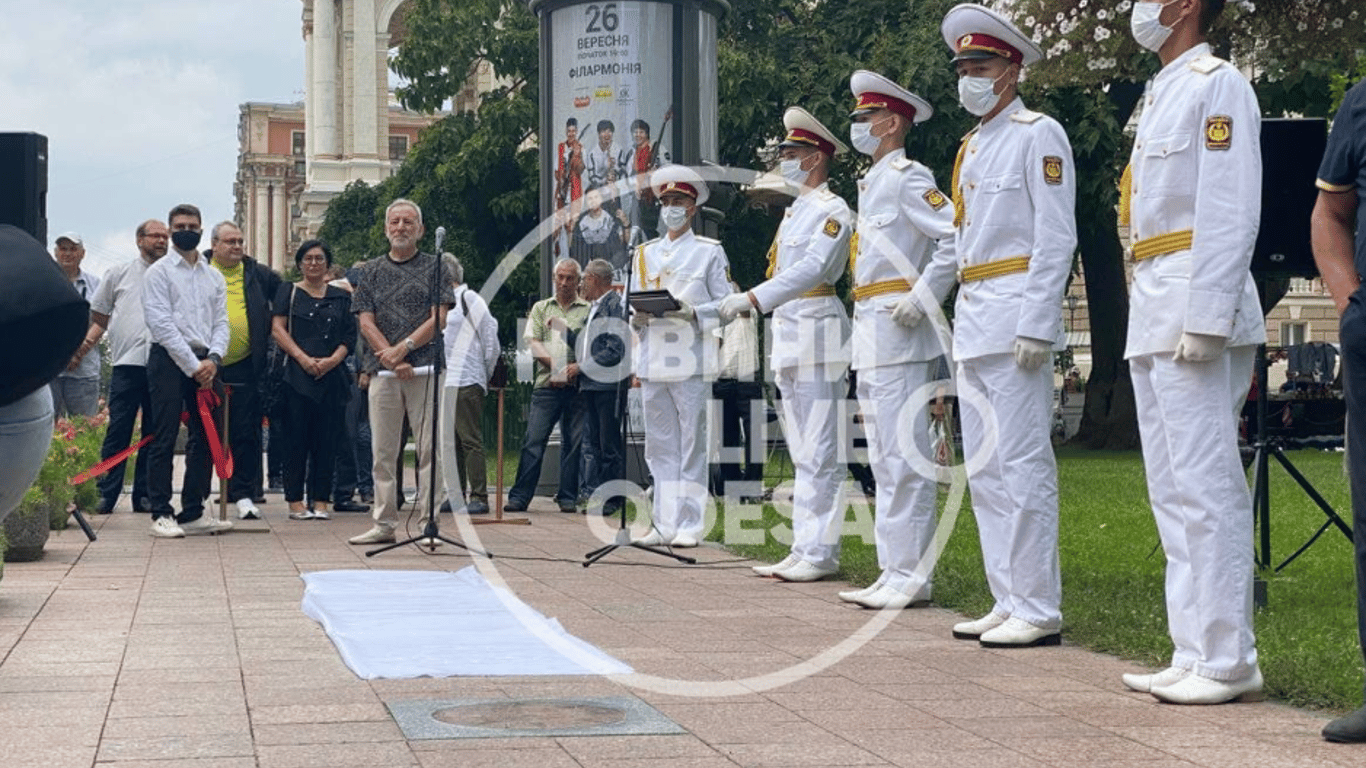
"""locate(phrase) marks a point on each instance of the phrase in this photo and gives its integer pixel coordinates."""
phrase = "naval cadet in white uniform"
(809, 354)
(1014, 193)
(902, 215)
(1193, 203)
(677, 355)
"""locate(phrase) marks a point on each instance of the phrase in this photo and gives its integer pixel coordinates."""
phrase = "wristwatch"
(215, 358)
(408, 342)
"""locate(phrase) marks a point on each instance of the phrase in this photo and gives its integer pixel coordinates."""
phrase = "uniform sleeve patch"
(935, 198)
(1218, 132)
(1052, 169)
(831, 228)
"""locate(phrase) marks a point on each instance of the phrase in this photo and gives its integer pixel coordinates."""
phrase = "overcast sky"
(139, 101)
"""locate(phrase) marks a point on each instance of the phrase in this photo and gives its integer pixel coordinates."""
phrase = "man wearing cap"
(76, 391)
(1193, 204)
(1014, 198)
(809, 353)
(676, 357)
(901, 216)
(117, 309)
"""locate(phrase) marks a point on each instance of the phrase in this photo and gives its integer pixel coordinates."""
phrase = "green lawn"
(1112, 577)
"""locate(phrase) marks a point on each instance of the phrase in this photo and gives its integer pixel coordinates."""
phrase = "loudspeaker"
(23, 182)
(1292, 150)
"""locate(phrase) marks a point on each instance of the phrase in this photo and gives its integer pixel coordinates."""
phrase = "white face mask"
(861, 136)
(792, 171)
(675, 217)
(978, 94)
(1146, 25)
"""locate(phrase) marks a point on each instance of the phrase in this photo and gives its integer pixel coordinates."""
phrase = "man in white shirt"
(472, 350)
(810, 350)
(185, 305)
(1194, 206)
(76, 391)
(129, 340)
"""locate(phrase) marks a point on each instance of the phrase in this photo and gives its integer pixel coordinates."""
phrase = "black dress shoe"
(350, 506)
(513, 506)
(477, 507)
(1348, 729)
(445, 506)
(569, 509)
(261, 499)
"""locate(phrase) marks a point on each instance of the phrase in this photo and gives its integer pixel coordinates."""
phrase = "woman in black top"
(314, 326)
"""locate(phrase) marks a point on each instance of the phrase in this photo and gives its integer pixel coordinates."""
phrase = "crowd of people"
(187, 328)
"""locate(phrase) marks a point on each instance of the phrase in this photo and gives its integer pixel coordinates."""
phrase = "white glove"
(684, 312)
(1032, 353)
(733, 305)
(1199, 347)
(907, 312)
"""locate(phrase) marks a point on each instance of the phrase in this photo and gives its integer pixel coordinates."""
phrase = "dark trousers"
(1353, 338)
(311, 446)
(345, 471)
(128, 394)
(548, 406)
(172, 392)
(603, 410)
(275, 450)
(737, 431)
(244, 430)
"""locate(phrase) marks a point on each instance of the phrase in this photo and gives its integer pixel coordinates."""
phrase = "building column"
(323, 93)
(279, 235)
(260, 217)
(365, 83)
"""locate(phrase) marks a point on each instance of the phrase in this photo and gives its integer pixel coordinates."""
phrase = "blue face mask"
(185, 239)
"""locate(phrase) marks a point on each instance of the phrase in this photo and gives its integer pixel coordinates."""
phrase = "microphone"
(440, 239)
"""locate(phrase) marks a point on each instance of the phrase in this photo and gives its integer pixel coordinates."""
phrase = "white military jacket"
(901, 215)
(1017, 186)
(811, 250)
(694, 269)
(1196, 165)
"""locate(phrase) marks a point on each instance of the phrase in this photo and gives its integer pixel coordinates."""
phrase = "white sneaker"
(853, 595)
(246, 510)
(1018, 633)
(972, 630)
(888, 597)
(804, 571)
(786, 562)
(684, 541)
(166, 528)
(652, 539)
(205, 525)
(380, 534)
(1146, 683)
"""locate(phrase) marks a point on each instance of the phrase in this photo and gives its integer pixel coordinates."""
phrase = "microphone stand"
(431, 532)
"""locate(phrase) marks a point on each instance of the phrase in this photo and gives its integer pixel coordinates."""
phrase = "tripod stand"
(431, 532)
(1261, 496)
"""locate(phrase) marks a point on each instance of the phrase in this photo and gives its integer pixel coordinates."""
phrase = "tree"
(1294, 47)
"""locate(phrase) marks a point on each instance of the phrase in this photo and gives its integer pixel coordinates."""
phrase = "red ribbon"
(109, 463)
(222, 463)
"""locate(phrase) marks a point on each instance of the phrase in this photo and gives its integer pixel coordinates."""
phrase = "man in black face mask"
(185, 303)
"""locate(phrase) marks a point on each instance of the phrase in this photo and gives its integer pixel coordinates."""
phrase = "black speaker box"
(23, 182)
(1292, 150)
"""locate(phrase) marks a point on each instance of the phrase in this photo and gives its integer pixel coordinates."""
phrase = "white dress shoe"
(769, 570)
(684, 541)
(379, 534)
(853, 595)
(1146, 683)
(887, 597)
(1197, 689)
(1018, 633)
(972, 630)
(204, 525)
(804, 571)
(652, 539)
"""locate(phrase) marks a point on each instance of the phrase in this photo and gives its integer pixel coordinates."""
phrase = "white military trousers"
(894, 400)
(1013, 476)
(676, 452)
(1187, 417)
(812, 401)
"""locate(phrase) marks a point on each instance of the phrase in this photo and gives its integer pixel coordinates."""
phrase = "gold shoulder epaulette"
(1206, 64)
(1026, 116)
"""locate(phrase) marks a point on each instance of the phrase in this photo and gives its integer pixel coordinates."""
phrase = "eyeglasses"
(314, 260)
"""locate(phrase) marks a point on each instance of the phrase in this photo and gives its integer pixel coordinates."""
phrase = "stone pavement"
(136, 652)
